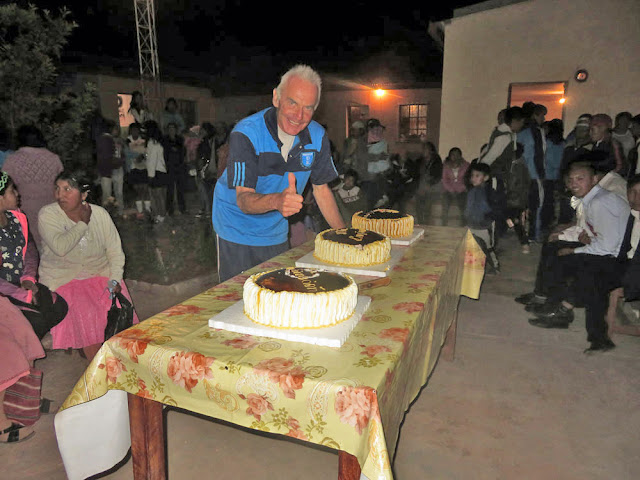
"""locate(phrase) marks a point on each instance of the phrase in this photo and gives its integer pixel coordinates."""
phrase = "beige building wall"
(332, 111)
(538, 41)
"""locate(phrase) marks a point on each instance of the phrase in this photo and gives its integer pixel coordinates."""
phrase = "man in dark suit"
(629, 252)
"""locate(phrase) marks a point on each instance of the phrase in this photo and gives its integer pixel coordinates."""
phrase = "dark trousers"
(234, 258)
(448, 198)
(499, 205)
(541, 209)
(587, 280)
(50, 310)
(176, 181)
(549, 271)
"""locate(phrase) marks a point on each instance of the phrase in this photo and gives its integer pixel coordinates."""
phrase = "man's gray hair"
(305, 72)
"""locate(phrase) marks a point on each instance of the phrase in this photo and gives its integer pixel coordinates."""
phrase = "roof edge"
(484, 6)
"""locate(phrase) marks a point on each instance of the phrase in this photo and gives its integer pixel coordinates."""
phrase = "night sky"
(254, 41)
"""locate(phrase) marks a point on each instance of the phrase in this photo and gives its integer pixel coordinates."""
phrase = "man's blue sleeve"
(242, 165)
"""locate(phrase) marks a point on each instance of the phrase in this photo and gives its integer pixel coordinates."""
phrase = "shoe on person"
(555, 312)
(158, 219)
(531, 298)
(537, 307)
(549, 322)
(16, 433)
(541, 309)
(600, 346)
(48, 406)
(526, 249)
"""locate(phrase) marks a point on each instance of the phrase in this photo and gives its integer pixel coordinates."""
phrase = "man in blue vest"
(272, 156)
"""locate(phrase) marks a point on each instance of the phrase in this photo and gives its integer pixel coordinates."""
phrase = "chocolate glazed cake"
(387, 222)
(352, 247)
(299, 298)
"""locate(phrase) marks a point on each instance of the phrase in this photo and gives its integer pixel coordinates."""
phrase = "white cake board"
(233, 319)
(381, 270)
(409, 239)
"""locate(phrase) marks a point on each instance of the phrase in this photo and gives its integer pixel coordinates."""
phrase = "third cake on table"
(299, 298)
(385, 221)
(352, 247)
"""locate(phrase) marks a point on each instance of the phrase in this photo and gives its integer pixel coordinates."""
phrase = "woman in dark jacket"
(430, 170)
(206, 167)
(174, 155)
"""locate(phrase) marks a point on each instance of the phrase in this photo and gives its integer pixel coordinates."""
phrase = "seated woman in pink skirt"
(19, 347)
(81, 258)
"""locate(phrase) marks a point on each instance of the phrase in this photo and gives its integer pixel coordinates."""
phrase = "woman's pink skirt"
(89, 304)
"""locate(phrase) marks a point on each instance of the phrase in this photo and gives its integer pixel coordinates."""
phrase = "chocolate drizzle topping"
(303, 280)
(352, 236)
(379, 214)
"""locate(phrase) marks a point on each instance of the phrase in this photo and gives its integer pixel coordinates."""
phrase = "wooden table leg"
(147, 439)
(449, 348)
(348, 466)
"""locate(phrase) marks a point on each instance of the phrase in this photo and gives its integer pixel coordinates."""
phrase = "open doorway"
(549, 94)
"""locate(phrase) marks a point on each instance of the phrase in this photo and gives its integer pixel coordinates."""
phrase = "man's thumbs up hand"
(289, 202)
(292, 183)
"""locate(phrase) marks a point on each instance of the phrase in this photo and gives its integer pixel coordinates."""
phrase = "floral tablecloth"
(352, 398)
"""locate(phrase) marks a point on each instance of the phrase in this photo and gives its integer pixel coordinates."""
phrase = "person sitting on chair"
(82, 259)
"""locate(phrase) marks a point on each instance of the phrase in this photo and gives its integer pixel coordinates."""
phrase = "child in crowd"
(350, 198)
(517, 198)
(453, 174)
(137, 172)
(479, 213)
(110, 159)
(157, 177)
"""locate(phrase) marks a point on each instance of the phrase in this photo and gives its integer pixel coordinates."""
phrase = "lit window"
(413, 121)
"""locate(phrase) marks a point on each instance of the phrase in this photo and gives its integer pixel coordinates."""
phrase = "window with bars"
(413, 122)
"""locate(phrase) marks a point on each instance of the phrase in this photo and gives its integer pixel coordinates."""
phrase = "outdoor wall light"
(581, 75)
(380, 92)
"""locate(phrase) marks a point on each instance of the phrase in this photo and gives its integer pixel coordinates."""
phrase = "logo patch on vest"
(306, 159)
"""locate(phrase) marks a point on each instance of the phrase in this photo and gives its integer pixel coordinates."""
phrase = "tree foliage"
(31, 43)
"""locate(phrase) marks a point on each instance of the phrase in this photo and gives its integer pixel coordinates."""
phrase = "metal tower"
(148, 54)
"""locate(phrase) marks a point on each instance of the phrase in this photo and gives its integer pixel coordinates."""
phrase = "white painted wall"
(538, 41)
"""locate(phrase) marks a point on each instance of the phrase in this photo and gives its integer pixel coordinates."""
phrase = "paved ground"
(516, 403)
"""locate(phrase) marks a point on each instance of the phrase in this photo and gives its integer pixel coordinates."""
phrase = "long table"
(351, 399)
